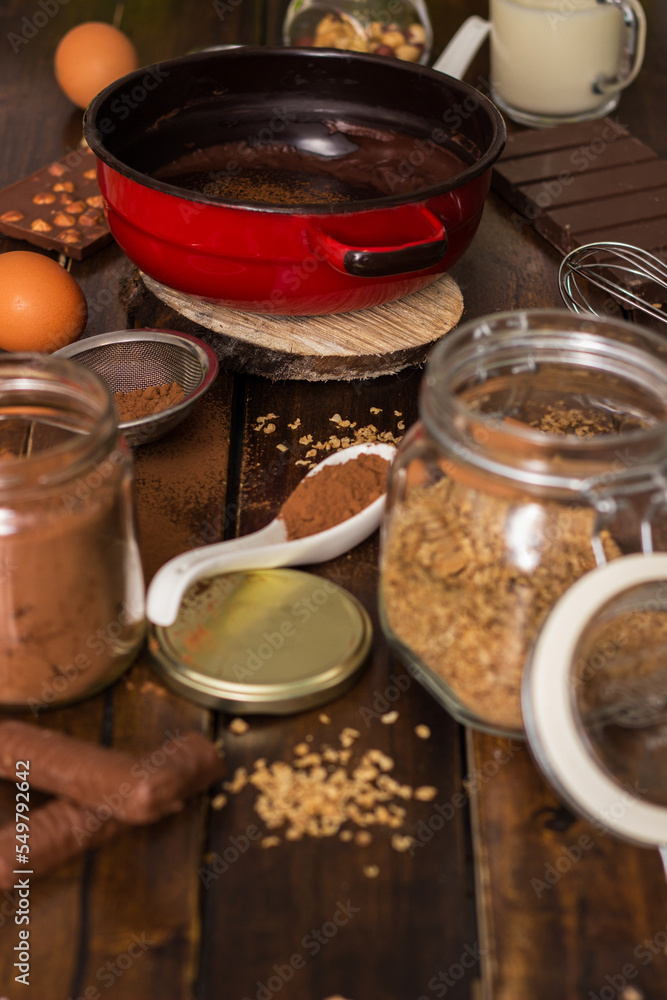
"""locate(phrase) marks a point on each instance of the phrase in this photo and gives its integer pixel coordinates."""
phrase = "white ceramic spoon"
(265, 549)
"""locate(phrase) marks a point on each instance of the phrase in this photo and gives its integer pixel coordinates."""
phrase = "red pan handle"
(384, 261)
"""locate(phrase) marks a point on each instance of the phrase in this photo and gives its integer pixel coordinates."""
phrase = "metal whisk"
(611, 267)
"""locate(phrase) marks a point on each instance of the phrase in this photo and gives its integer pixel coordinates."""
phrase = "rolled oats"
(464, 602)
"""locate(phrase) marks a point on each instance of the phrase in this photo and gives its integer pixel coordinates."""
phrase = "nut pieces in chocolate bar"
(59, 207)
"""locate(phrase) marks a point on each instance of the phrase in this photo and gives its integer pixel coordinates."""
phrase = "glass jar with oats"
(540, 453)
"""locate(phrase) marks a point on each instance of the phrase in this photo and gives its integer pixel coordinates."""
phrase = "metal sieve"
(126, 360)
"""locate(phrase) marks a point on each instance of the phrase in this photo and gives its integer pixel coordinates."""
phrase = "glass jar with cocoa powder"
(540, 454)
(71, 584)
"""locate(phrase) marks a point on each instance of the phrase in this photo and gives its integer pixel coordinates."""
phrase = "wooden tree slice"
(363, 344)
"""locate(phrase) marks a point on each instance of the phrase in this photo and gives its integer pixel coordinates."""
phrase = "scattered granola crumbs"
(309, 738)
(348, 736)
(315, 795)
(269, 428)
(371, 871)
(631, 993)
(301, 749)
(389, 718)
(401, 842)
(400, 425)
(218, 801)
(310, 760)
(386, 763)
(375, 409)
(306, 439)
(304, 461)
(150, 687)
(324, 719)
(261, 421)
(398, 413)
(311, 453)
(422, 731)
(239, 781)
(363, 838)
(238, 726)
(336, 419)
(297, 423)
(271, 841)
(282, 447)
(426, 793)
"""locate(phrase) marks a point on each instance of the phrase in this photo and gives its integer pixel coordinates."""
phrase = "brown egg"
(90, 57)
(42, 307)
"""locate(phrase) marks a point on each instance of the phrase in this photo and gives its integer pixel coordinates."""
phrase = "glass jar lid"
(270, 641)
(595, 698)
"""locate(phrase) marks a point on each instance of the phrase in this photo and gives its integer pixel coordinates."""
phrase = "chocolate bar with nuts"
(58, 207)
(585, 183)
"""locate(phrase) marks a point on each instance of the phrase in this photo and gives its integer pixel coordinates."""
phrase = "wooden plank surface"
(299, 885)
(566, 911)
(124, 920)
(232, 933)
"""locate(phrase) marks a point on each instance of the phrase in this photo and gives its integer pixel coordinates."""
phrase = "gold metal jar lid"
(269, 641)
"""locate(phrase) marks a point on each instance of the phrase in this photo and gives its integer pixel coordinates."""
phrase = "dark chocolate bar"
(58, 207)
(585, 183)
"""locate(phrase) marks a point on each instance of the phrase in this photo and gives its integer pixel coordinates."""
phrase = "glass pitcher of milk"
(554, 61)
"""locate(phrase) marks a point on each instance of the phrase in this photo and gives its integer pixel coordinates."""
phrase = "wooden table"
(143, 918)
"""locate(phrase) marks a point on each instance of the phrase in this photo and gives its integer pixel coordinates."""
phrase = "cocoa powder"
(146, 402)
(334, 494)
(66, 629)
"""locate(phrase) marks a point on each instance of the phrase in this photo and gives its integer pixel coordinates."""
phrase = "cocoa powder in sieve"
(146, 402)
(334, 494)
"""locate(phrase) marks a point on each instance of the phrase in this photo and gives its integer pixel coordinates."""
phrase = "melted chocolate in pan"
(320, 163)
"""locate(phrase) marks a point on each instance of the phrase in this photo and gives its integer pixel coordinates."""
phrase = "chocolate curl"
(59, 831)
(132, 789)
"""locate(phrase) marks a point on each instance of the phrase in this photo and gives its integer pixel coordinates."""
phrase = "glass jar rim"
(29, 376)
(625, 348)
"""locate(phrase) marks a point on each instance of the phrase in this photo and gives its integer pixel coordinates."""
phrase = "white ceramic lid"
(554, 726)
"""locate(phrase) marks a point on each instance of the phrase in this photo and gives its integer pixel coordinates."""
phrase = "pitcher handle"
(634, 21)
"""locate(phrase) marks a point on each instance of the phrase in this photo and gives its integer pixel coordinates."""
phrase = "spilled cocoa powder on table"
(334, 494)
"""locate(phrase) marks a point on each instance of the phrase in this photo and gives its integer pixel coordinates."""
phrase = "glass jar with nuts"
(399, 28)
(540, 453)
